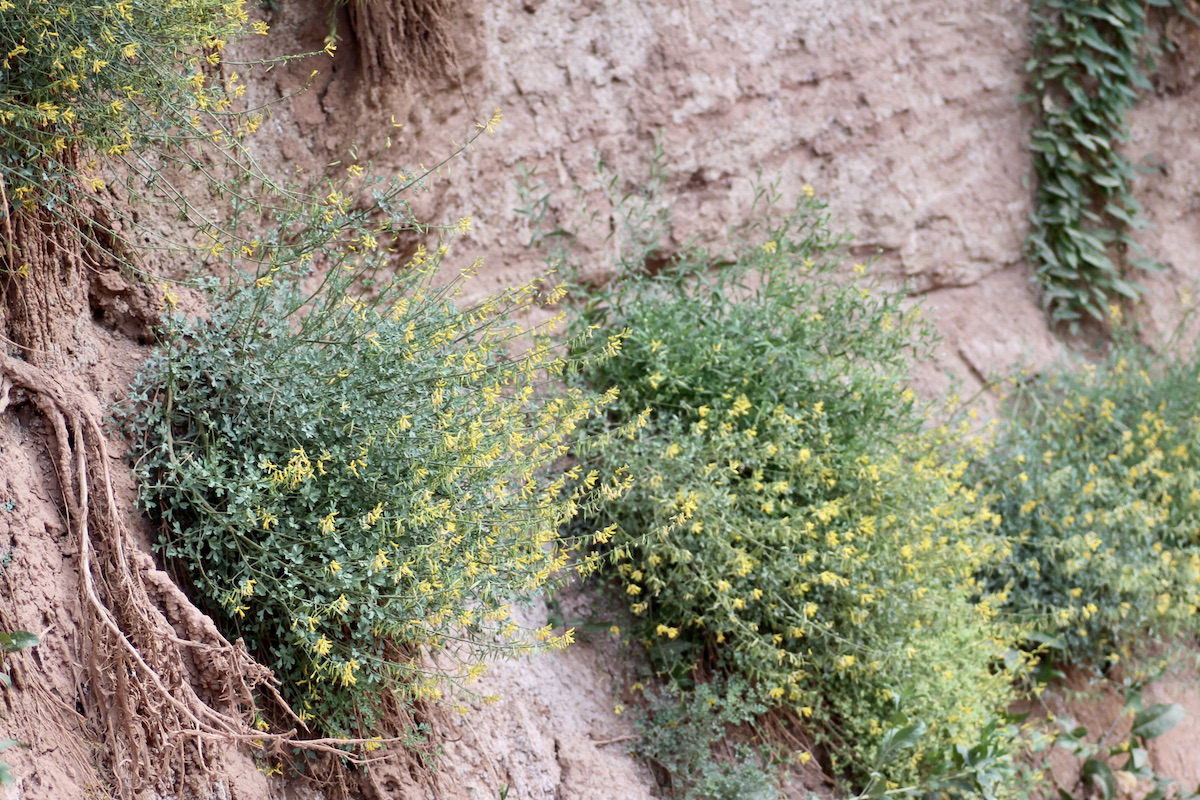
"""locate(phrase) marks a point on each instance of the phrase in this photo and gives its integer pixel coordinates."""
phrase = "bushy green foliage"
(682, 730)
(1108, 763)
(107, 77)
(354, 477)
(790, 523)
(12, 642)
(1088, 61)
(1095, 477)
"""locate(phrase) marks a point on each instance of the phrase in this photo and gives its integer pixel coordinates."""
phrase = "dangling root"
(142, 634)
(400, 37)
(154, 723)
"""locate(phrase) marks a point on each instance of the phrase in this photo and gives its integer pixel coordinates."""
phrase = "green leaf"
(1092, 39)
(1148, 264)
(1156, 720)
(1051, 641)
(1137, 759)
(1100, 772)
(897, 740)
(18, 640)
(1126, 288)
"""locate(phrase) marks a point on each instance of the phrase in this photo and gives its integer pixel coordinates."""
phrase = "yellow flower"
(1164, 602)
(490, 125)
(380, 562)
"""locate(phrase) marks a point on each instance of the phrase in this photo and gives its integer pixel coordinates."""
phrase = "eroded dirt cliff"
(903, 114)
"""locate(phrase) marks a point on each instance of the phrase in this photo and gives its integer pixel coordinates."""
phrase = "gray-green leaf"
(1156, 720)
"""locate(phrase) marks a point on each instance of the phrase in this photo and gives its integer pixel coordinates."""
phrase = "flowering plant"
(794, 525)
(108, 78)
(1095, 477)
(356, 478)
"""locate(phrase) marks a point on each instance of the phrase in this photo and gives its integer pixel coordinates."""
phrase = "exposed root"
(154, 724)
(42, 287)
(397, 38)
(164, 688)
(163, 691)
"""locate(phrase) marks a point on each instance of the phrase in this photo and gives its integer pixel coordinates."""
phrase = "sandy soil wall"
(902, 114)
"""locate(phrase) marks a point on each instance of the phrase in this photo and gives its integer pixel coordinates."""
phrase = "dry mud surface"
(903, 114)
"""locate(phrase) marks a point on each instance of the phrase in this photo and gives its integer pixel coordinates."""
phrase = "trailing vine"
(1089, 58)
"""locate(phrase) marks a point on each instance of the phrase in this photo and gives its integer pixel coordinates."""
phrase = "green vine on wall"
(1089, 58)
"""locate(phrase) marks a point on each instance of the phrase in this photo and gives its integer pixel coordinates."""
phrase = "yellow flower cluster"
(1104, 505)
(90, 76)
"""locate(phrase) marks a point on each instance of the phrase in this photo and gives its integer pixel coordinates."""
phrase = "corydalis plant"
(795, 527)
(354, 479)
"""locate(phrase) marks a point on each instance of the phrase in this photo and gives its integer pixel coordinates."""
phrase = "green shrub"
(790, 523)
(1095, 477)
(107, 78)
(680, 732)
(355, 476)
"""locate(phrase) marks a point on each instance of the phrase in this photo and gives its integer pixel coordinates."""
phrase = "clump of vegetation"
(681, 730)
(354, 477)
(106, 78)
(94, 94)
(1095, 478)
(1088, 61)
(791, 523)
(12, 642)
